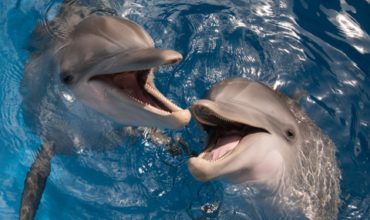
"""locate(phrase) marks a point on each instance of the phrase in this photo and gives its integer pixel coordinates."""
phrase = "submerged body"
(260, 137)
(85, 80)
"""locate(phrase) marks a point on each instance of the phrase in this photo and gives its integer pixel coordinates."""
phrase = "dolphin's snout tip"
(171, 56)
(180, 118)
(174, 61)
(199, 169)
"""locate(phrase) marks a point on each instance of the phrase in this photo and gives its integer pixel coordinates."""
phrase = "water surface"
(320, 50)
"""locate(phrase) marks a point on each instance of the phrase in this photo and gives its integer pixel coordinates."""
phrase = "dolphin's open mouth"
(224, 135)
(139, 87)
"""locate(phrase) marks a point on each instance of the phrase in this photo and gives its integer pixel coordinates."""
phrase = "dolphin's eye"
(66, 78)
(290, 134)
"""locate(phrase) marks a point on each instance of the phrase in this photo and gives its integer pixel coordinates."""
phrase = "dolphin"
(86, 81)
(109, 62)
(259, 136)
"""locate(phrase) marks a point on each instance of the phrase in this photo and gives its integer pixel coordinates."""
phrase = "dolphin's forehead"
(250, 98)
(240, 91)
(118, 31)
(97, 38)
(228, 89)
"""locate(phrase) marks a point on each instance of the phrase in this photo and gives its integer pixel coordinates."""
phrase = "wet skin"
(259, 137)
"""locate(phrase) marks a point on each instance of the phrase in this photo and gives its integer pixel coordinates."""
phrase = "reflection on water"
(349, 28)
(320, 49)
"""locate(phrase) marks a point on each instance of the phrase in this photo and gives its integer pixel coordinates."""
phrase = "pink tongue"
(128, 82)
(224, 145)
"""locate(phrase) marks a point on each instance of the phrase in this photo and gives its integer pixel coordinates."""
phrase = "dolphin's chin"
(138, 86)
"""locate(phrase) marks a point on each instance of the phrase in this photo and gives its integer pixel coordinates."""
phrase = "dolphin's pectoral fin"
(35, 181)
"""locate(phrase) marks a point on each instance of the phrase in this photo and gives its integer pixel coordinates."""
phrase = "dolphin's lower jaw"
(136, 89)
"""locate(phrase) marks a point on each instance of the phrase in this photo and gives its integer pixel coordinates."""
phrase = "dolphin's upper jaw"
(139, 87)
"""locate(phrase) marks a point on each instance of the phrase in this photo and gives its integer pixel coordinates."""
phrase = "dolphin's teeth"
(222, 118)
(135, 99)
(156, 110)
(225, 155)
(149, 106)
(202, 114)
(130, 94)
(207, 157)
(161, 97)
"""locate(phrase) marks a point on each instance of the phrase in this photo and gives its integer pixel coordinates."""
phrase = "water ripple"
(317, 49)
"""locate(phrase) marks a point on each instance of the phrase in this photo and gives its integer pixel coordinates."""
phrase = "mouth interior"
(223, 135)
(139, 87)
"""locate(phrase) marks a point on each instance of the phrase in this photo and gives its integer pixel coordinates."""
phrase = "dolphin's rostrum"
(259, 136)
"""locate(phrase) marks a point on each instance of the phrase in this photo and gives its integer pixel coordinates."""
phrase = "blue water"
(319, 49)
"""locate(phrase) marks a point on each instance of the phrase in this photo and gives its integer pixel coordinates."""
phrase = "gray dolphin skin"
(93, 75)
(258, 136)
(108, 62)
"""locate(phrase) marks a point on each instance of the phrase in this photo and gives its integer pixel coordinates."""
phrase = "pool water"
(318, 49)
